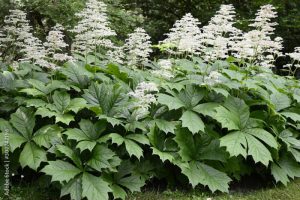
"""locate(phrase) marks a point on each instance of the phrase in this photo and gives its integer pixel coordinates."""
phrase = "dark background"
(158, 16)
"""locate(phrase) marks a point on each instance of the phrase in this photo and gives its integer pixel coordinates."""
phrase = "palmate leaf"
(70, 153)
(118, 192)
(172, 102)
(109, 97)
(234, 114)
(133, 148)
(60, 170)
(235, 143)
(187, 98)
(62, 105)
(32, 156)
(198, 147)
(15, 139)
(88, 135)
(247, 142)
(102, 158)
(41, 89)
(164, 156)
(207, 109)
(24, 121)
(285, 169)
(64, 118)
(292, 143)
(76, 74)
(294, 116)
(192, 121)
(227, 118)
(46, 134)
(200, 173)
(165, 126)
(61, 101)
(94, 188)
(280, 100)
(74, 188)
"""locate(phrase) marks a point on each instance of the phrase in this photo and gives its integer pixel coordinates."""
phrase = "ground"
(291, 192)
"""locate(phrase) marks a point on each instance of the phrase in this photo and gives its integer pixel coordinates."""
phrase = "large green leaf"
(61, 171)
(247, 142)
(285, 169)
(200, 173)
(24, 121)
(74, 188)
(94, 188)
(198, 147)
(280, 100)
(45, 135)
(102, 158)
(76, 74)
(192, 121)
(173, 103)
(165, 126)
(108, 97)
(258, 150)
(32, 156)
(207, 109)
(14, 139)
(133, 148)
(294, 116)
(61, 100)
(235, 143)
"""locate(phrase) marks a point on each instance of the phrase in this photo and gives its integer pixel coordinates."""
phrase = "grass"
(291, 192)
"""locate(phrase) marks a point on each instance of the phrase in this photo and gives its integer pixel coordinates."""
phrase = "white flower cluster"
(262, 22)
(137, 47)
(93, 29)
(185, 36)
(55, 44)
(213, 78)
(16, 28)
(165, 70)
(143, 95)
(19, 37)
(295, 56)
(257, 45)
(220, 35)
(33, 51)
(116, 55)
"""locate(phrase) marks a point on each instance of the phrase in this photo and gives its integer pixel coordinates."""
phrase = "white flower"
(257, 46)
(213, 78)
(220, 35)
(143, 95)
(185, 36)
(93, 29)
(263, 19)
(116, 55)
(55, 43)
(295, 56)
(22, 176)
(165, 64)
(33, 51)
(165, 70)
(137, 47)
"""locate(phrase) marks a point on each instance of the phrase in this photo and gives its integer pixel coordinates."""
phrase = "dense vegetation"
(103, 118)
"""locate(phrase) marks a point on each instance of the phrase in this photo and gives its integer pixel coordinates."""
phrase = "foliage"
(101, 130)
(87, 138)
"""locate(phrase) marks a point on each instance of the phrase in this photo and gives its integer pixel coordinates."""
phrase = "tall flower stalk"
(184, 37)
(92, 31)
(137, 48)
